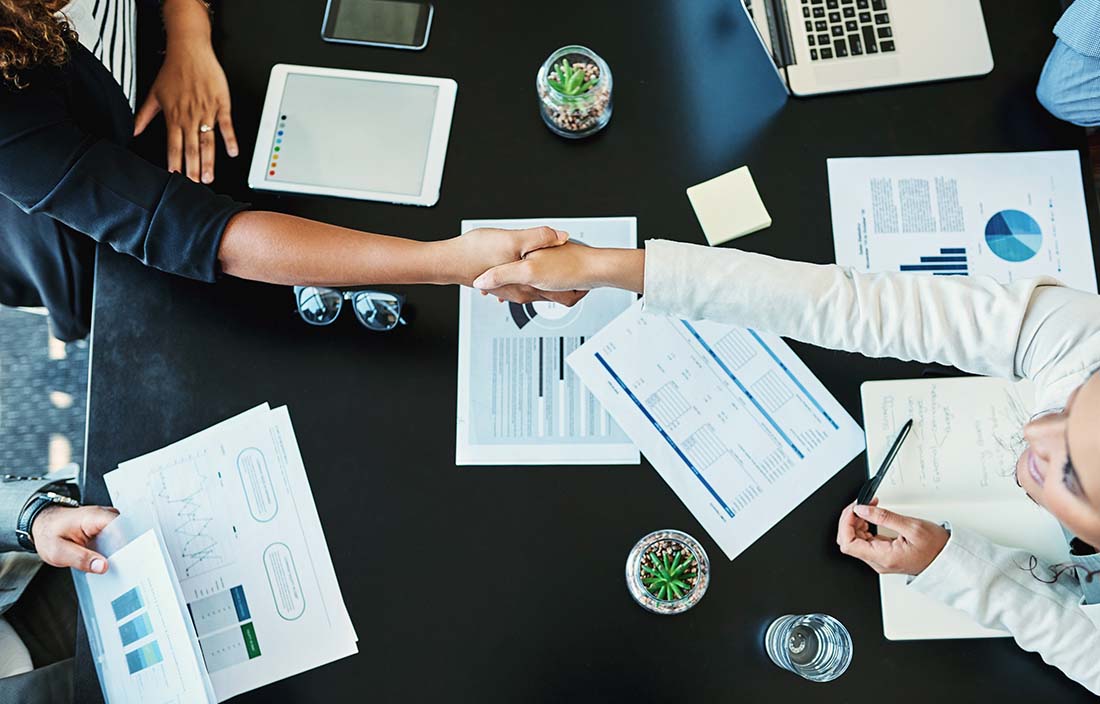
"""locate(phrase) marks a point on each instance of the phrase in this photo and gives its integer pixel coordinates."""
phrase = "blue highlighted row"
(127, 604)
(669, 440)
(240, 603)
(143, 657)
(748, 394)
(135, 629)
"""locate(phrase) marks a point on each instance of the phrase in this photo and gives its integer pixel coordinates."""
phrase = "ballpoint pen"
(867, 492)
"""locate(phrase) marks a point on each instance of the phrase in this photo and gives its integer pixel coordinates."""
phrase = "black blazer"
(69, 182)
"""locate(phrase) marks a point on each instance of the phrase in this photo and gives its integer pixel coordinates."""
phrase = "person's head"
(31, 34)
(1060, 469)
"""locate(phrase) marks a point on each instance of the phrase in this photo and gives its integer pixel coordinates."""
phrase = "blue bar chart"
(951, 261)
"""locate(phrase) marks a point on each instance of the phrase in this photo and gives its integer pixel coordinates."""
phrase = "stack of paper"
(223, 569)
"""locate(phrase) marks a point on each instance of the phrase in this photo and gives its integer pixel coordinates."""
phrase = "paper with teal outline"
(485, 322)
(316, 604)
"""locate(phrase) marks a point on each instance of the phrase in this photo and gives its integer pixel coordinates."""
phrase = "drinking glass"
(814, 646)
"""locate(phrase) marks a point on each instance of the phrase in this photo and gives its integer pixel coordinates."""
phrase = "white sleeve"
(994, 586)
(1033, 328)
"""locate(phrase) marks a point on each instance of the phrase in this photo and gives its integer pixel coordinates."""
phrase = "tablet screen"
(351, 133)
(384, 21)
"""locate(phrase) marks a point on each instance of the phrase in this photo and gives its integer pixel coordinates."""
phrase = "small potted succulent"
(667, 572)
(574, 89)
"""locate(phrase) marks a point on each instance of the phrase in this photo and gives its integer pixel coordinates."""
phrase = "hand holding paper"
(62, 535)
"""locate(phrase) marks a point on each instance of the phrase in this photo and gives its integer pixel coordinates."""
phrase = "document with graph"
(1010, 216)
(240, 527)
(730, 418)
(142, 644)
(518, 402)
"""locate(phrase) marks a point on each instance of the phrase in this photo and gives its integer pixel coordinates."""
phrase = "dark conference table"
(375, 413)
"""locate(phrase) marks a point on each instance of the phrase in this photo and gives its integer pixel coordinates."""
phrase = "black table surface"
(546, 615)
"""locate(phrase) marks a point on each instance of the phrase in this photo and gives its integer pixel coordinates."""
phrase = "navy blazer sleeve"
(49, 165)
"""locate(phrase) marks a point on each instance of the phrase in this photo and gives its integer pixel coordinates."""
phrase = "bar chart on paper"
(729, 417)
(949, 261)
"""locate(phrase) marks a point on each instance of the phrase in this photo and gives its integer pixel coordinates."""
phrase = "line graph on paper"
(185, 498)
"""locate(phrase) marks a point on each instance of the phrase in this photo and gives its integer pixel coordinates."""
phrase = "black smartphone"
(397, 24)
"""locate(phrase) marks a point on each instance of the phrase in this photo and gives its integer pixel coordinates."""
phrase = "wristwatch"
(38, 502)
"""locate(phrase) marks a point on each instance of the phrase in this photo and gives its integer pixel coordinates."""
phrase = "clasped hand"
(491, 249)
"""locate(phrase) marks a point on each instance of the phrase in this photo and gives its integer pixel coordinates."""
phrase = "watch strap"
(34, 506)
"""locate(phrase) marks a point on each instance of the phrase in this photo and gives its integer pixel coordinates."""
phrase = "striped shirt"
(1080, 27)
(108, 29)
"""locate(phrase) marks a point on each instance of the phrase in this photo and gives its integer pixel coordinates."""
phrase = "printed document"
(729, 417)
(518, 402)
(1009, 216)
(143, 646)
(242, 533)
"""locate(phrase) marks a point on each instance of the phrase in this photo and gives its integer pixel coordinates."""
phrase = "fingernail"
(207, 178)
(232, 151)
(99, 566)
(562, 236)
(479, 282)
(861, 510)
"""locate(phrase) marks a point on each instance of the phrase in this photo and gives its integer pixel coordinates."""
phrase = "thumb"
(503, 275)
(69, 554)
(881, 517)
(145, 115)
(537, 238)
(95, 519)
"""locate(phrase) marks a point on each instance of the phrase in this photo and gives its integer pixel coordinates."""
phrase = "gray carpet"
(43, 396)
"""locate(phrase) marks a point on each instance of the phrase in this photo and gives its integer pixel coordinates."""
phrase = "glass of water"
(814, 646)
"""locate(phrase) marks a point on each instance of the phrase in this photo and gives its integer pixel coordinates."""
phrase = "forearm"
(993, 585)
(618, 268)
(973, 323)
(283, 249)
(186, 24)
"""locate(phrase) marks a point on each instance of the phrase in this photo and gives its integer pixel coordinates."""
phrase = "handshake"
(540, 264)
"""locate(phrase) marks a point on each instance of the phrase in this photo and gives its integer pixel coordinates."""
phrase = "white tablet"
(354, 134)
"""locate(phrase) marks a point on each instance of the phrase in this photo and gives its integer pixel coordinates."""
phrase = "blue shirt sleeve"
(1079, 27)
(1069, 86)
(50, 165)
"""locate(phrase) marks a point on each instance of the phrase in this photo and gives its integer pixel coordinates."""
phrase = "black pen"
(871, 485)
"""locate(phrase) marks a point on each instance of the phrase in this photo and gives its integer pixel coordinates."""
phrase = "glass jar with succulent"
(667, 572)
(574, 90)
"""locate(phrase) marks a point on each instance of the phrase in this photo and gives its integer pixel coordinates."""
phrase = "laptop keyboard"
(836, 29)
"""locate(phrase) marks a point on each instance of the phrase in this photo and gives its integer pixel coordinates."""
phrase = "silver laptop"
(825, 46)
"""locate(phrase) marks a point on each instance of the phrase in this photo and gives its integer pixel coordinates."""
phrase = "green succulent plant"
(668, 579)
(570, 80)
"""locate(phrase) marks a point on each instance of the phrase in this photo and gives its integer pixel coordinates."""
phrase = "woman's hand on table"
(915, 546)
(192, 92)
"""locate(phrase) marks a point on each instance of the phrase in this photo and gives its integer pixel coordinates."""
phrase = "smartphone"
(397, 24)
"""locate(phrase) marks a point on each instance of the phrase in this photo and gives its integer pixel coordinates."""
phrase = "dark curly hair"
(31, 34)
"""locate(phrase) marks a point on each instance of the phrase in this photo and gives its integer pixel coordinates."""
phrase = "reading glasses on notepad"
(375, 310)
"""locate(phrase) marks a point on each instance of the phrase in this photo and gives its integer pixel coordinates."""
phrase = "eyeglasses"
(375, 310)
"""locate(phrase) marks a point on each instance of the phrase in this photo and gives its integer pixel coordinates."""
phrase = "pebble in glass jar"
(667, 572)
(574, 90)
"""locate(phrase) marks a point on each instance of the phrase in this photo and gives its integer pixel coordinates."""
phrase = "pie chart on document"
(1013, 235)
(544, 314)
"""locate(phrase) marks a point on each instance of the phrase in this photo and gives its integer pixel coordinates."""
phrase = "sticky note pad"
(728, 206)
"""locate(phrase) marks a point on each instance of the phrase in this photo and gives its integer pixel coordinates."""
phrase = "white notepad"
(957, 465)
